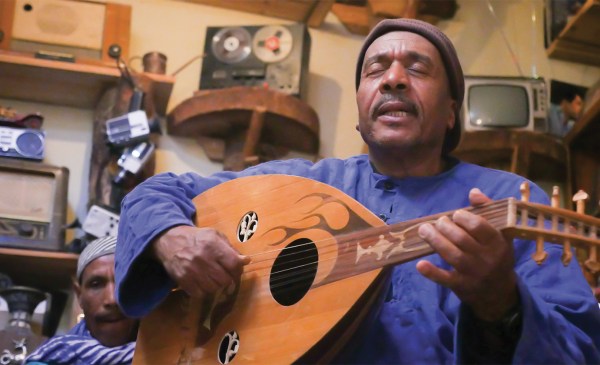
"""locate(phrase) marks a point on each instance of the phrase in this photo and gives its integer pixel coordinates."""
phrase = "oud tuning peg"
(592, 262)
(579, 198)
(555, 199)
(567, 255)
(524, 188)
(524, 191)
(539, 255)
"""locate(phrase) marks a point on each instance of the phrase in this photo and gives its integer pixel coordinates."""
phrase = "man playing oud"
(479, 298)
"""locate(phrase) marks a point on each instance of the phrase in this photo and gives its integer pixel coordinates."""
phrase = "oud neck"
(393, 244)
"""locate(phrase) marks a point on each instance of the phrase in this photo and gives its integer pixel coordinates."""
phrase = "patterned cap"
(447, 52)
(97, 248)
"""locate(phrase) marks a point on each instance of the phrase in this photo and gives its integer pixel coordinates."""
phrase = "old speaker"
(33, 205)
(271, 56)
(84, 30)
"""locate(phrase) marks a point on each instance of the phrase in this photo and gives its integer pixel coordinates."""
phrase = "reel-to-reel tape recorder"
(273, 56)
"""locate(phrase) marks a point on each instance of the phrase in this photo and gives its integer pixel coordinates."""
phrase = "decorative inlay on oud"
(248, 225)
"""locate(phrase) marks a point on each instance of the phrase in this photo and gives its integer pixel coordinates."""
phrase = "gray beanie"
(97, 248)
(447, 53)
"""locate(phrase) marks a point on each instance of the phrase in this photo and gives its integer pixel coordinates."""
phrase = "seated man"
(106, 336)
(566, 103)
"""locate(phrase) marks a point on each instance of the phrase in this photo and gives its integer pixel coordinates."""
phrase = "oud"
(318, 257)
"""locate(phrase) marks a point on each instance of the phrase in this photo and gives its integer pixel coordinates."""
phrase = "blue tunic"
(419, 321)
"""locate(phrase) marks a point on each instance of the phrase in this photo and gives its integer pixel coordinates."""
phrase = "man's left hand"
(483, 276)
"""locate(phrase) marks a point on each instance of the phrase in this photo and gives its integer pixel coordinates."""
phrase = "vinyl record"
(231, 45)
(272, 43)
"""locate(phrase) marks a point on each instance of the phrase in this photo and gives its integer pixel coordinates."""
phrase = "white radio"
(22, 143)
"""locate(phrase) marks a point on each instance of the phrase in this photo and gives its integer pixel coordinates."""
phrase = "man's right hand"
(200, 260)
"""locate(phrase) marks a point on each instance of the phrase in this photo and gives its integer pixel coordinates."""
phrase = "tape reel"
(274, 56)
(231, 45)
(272, 43)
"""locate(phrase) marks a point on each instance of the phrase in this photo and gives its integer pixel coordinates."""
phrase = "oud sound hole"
(294, 271)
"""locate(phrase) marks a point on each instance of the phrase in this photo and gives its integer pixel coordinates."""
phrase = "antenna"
(510, 50)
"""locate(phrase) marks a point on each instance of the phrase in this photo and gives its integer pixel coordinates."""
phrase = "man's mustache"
(409, 105)
(109, 316)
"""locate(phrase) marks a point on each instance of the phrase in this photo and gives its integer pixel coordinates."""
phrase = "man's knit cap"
(447, 52)
(97, 248)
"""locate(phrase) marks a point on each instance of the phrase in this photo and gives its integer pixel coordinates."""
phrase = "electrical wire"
(185, 65)
(510, 50)
(126, 73)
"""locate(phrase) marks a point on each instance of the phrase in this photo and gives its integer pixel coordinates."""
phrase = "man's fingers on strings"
(208, 283)
(478, 227)
(476, 197)
(434, 273)
(192, 288)
(456, 236)
(453, 254)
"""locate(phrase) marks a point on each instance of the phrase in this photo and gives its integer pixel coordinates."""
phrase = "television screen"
(497, 105)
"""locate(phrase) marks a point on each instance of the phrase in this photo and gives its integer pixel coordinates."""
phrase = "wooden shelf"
(25, 77)
(311, 12)
(360, 19)
(579, 41)
(357, 16)
(46, 270)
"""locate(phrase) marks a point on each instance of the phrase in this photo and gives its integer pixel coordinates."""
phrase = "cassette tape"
(22, 143)
(273, 56)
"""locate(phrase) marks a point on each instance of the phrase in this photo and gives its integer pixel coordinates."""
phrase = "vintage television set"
(494, 103)
(33, 205)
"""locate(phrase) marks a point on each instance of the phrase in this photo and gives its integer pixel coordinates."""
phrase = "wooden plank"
(394, 9)
(7, 10)
(574, 52)
(79, 85)
(47, 270)
(579, 41)
(296, 10)
(319, 12)
(160, 87)
(584, 27)
(117, 29)
(354, 18)
(53, 82)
